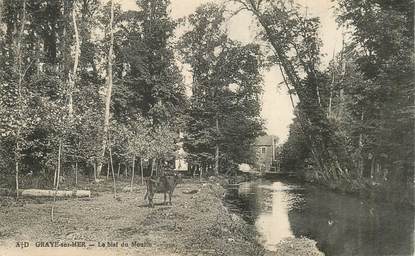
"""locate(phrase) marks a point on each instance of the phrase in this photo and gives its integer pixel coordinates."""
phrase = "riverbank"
(399, 194)
(197, 224)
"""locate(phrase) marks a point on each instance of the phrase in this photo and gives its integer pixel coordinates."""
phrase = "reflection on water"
(341, 224)
(274, 226)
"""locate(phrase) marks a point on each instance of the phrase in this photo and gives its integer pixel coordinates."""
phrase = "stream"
(341, 224)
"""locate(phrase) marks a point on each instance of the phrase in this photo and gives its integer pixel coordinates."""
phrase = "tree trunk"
(108, 170)
(19, 89)
(76, 173)
(331, 88)
(118, 170)
(141, 170)
(113, 173)
(57, 175)
(17, 171)
(72, 76)
(54, 193)
(132, 175)
(323, 143)
(302, 125)
(95, 171)
(109, 92)
(361, 165)
(152, 167)
(126, 170)
(217, 151)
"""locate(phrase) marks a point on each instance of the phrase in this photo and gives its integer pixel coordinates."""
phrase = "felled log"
(193, 191)
(51, 193)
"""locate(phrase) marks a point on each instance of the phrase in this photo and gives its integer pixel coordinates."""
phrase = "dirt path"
(196, 224)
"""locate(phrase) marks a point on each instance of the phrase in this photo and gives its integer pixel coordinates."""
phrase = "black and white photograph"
(207, 127)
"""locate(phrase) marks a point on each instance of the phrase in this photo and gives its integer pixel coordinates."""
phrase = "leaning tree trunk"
(323, 140)
(109, 93)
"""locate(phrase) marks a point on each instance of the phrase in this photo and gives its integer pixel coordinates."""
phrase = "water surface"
(341, 224)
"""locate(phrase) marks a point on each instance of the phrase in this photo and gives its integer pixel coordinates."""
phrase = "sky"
(277, 109)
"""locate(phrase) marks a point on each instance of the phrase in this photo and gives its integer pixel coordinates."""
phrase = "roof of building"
(265, 140)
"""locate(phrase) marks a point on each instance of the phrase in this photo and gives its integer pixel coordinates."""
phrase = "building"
(265, 147)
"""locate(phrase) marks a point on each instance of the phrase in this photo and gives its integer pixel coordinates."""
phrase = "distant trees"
(224, 116)
(294, 154)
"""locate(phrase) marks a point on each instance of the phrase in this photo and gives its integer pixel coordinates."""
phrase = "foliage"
(225, 108)
(367, 95)
(294, 154)
(149, 98)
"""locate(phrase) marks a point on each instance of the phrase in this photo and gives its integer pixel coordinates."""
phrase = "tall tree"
(224, 114)
(152, 84)
(382, 95)
(295, 44)
(109, 82)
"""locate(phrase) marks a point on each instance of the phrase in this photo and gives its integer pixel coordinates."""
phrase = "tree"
(109, 82)
(151, 82)
(379, 89)
(224, 113)
(294, 41)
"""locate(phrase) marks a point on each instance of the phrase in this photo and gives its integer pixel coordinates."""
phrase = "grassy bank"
(396, 193)
(196, 224)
